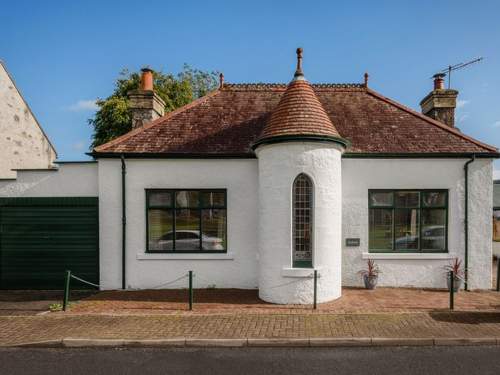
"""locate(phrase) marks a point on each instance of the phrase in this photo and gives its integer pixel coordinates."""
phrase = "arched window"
(302, 221)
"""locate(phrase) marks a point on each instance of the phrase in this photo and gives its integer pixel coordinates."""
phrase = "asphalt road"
(386, 361)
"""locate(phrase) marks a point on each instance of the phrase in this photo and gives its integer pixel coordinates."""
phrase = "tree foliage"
(113, 119)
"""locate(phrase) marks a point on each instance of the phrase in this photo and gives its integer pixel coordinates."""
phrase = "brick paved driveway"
(239, 301)
(20, 329)
(30, 302)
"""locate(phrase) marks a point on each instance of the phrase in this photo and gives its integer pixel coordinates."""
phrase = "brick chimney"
(145, 105)
(440, 103)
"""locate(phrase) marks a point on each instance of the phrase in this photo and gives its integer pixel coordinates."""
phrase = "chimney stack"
(440, 103)
(145, 105)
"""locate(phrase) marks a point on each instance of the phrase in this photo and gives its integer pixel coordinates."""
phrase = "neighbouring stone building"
(23, 143)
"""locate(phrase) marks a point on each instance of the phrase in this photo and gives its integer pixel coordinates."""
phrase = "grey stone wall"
(22, 141)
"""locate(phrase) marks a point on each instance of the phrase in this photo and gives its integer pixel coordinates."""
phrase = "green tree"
(113, 119)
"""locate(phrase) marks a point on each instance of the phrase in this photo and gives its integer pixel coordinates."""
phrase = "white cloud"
(496, 124)
(83, 105)
(462, 103)
(78, 146)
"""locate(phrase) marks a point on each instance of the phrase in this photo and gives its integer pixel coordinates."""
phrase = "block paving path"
(24, 329)
(244, 301)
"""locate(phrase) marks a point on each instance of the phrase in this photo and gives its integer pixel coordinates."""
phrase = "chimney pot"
(146, 79)
(440, 103)
(145, 105)
(439, 81)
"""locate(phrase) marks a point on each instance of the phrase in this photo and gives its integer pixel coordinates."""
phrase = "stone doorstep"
(260, 342)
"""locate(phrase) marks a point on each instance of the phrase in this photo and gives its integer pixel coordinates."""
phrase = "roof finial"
(366, 79)
(298, 72)
(221, 80)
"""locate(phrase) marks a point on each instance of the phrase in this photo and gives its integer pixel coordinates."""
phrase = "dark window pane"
(406, 229)
(381, 199)
(160, 226)
(157, 198)
(406, 198)
(186, 235)
(187, 229)
(434, 199)
(302, 221)
(496, 225)
(380, 229)
(213, 224)
(187, 198)
(433, 229)
(213, 199)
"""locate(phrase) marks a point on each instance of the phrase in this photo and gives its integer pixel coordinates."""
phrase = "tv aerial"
(452, 68)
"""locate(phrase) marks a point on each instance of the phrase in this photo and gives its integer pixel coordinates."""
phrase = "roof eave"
(417, 155)
(170, 155)
(302, 138)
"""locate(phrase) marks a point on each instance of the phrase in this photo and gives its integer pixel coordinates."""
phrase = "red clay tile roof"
(228, 121)
(298, 113)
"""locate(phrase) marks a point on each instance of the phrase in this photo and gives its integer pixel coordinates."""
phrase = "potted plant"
(456, 267)
(370, 275)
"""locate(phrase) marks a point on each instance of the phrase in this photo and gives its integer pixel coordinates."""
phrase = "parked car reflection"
(433, 237)
(186, 240)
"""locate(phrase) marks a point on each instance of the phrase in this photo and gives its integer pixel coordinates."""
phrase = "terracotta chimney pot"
(147, 79)
(439, 81)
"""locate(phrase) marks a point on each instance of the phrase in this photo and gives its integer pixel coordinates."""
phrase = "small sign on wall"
(352, 242)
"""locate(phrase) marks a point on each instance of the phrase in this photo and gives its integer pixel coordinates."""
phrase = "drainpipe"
(124, 221)
(466, 221)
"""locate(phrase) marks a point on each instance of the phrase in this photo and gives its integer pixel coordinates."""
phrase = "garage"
(40, 238)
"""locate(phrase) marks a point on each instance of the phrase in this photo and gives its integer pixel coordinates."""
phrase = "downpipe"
(124, 223)
(466, 222)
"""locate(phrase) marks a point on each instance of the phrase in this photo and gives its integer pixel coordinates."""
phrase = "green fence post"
(315, 288)
(66, 290)
(452, 289)
(190, 290)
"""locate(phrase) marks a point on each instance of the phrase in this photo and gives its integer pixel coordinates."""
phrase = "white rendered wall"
(22, 142)
(359, 175)
(69, 180)
(237, 269)
(279, 165)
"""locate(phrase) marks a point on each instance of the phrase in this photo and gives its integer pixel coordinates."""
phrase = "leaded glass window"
(302, 221)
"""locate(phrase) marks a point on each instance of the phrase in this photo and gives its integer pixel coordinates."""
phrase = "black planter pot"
(370, 281)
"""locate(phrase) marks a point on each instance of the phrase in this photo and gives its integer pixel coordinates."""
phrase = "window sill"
(299, 272)
(185, 256)
(409, 256)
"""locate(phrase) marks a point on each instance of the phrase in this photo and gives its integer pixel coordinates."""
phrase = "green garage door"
(40, 238)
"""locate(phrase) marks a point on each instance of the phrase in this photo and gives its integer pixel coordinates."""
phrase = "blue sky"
(64, 55)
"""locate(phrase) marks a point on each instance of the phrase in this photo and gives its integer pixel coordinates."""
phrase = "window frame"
(496, 232)
(308, 264)
(420, 209)
(174, 210)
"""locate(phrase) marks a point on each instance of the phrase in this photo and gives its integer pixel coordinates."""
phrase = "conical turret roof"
(299, 114)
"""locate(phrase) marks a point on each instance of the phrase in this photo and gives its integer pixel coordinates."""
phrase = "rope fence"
(190, 276)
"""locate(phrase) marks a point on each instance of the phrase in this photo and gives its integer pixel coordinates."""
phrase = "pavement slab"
(15, 330)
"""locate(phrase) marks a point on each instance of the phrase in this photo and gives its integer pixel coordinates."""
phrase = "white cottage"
(258, 185)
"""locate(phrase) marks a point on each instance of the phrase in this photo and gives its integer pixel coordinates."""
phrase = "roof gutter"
(419, 155)
(466, 221)
(301, 138)
(172, 155)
